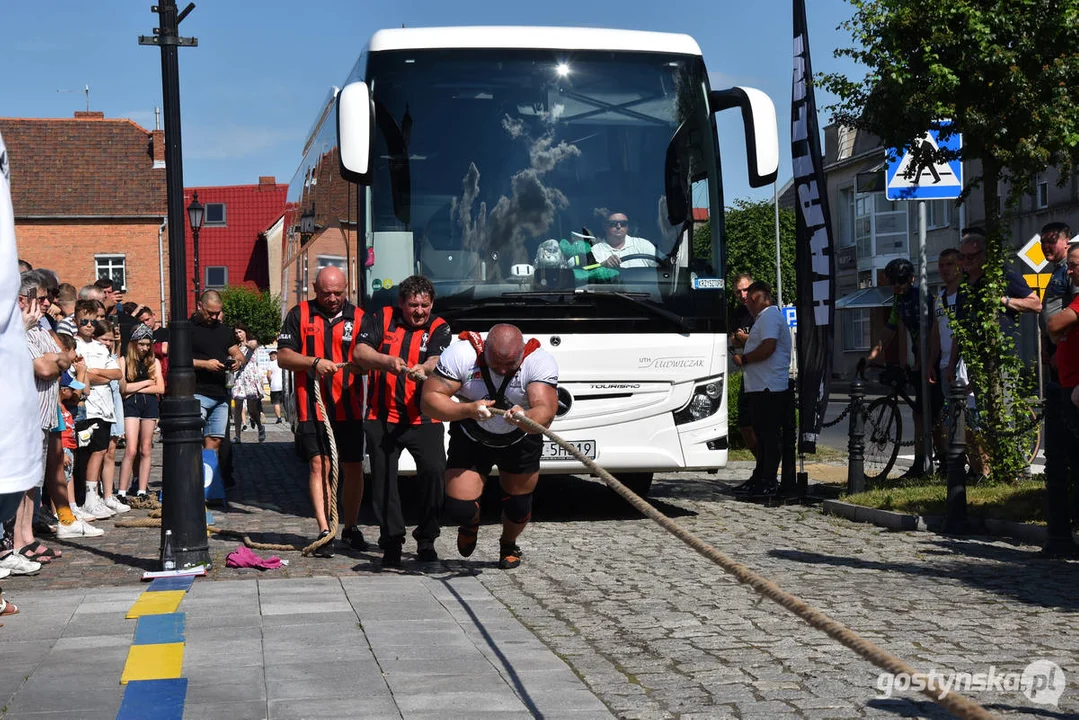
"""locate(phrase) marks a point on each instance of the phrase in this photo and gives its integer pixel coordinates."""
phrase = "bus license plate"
(552, 450)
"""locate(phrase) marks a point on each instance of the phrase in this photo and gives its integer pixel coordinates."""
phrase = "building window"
(856, 329)
(336, 261)
(217, 277)
(112, 267)
(846, 217)
(215, 214)
(938, 214)
(1042, 194)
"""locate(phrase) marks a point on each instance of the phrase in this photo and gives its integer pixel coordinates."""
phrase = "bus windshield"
(532, 186)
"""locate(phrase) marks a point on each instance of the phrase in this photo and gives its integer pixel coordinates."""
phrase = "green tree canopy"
(258, 311)
(751, 245)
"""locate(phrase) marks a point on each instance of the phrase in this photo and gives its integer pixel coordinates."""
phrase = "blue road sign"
(790, 314)
(939, 181)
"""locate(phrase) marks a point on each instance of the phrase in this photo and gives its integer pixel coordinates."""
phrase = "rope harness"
(957, 704)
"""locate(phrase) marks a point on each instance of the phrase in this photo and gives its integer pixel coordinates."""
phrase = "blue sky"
(251, 89)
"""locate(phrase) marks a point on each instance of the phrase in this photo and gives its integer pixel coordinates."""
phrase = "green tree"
(751, 245)
(1006, 73)
(259, 311)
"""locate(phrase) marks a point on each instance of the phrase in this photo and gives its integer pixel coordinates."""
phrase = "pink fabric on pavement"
(244, 557)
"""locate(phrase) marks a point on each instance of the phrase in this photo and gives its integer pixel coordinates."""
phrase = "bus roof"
(555, 38)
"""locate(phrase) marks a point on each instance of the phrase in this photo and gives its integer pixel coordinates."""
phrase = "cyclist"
(904, 315)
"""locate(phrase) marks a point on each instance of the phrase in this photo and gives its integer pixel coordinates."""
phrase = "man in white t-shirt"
(765, 364)
(620, 244)
(505, 373)
(275, 375)
(941, 344)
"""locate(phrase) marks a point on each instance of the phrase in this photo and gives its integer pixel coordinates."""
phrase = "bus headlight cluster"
(705, 402)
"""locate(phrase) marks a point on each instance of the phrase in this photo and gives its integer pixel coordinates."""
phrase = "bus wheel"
(639, 483)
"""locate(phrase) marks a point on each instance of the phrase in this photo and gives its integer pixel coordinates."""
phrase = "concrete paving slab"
(251, 710)
(369, 707)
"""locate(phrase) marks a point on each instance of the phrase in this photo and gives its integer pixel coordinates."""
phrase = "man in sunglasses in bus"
(620, 244)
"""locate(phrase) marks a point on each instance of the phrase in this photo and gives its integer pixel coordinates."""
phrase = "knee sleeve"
(517, 508)
(461, 512)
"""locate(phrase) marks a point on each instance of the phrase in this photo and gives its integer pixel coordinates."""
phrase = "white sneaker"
(78, 529)
(81, 514)
(18, 565)
(96, 507)
(4, 572)
(115, 505)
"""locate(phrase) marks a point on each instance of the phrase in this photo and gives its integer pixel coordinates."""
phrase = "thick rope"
(955, 703)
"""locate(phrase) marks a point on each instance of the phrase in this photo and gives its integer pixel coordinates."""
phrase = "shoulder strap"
(497, 394)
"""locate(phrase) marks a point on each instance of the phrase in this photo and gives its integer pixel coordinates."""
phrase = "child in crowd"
(141, 384)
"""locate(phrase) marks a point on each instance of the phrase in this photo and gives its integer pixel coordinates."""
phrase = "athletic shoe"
(262, 433)
(115, 505)
(327, 550)
(509, 556)
(121, 497)
(466, 539)
(81, 514)
(78, 529)
(19, 565)
(354, 537)
(4, 572)
(425, 551)
(95, 508)
(278, 421)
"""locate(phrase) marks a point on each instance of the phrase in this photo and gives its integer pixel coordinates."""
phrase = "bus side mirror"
(762, 134)
(355, 132)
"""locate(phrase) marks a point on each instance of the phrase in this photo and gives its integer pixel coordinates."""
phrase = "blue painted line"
(159, 629)
(158, 699)
(171, 583)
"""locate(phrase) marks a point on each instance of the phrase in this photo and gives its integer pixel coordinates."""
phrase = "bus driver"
(620, 244)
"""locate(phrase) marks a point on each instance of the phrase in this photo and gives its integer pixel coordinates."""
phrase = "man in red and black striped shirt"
(317, 341)
(400, 346)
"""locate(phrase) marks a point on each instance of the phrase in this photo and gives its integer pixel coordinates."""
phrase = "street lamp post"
(195, 213)
(183, 511)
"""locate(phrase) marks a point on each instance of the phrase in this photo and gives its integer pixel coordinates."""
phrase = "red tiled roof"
(250, 210)
(82, 166)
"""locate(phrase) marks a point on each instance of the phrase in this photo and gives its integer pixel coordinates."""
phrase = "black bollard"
(955, 517)
(856, 445)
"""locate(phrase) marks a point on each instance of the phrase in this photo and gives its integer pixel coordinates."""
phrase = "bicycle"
(884, 422)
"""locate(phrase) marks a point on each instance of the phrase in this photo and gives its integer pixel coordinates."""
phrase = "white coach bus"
(506, 164)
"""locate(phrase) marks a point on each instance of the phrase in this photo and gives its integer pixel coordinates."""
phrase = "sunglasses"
(618, 223)
(39, 298)
(86, 321)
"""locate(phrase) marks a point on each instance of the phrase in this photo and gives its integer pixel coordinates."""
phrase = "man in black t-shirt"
(741, 324)
(214, 351)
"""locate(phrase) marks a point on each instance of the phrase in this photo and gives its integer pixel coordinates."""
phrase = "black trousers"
(1061, 460)
(426, 445)
(770, 412)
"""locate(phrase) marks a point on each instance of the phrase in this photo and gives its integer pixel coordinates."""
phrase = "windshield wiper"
(655, 311)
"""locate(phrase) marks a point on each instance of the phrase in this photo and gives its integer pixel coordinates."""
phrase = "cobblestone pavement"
(657, 631)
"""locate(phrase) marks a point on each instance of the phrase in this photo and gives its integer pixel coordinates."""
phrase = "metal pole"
(856, 439)
(198, 272)
(955, 517)
(183, 507)
(923, 349)
(779, 268)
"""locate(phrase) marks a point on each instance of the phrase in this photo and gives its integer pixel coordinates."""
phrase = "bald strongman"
(316, 344)
(506, 373)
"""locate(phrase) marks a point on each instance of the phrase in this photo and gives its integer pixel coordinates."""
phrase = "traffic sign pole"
(923, 350)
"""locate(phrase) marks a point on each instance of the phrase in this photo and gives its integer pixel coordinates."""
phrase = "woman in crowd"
(141, 384)
(247, 388)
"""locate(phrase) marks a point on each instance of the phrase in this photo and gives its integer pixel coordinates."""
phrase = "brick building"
(233, 242)
(89, 199)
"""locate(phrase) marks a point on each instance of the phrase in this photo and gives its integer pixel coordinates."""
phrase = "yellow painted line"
(153, 662)
(156, 603)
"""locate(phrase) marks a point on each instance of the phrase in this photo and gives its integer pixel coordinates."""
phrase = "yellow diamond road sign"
(1032, 254)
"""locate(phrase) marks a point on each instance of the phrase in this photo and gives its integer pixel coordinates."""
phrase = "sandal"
(40, 551)
(40, 558)
(8, 608)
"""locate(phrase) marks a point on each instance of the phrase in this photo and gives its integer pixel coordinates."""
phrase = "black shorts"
(275, 397)
(93, 435)
(311, 440)
(143, 406)
(467, 454)
(745, 417)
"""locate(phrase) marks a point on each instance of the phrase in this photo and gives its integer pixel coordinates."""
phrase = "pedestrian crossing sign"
(939, 181)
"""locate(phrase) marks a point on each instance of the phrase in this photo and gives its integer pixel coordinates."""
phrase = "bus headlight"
(705, 402)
